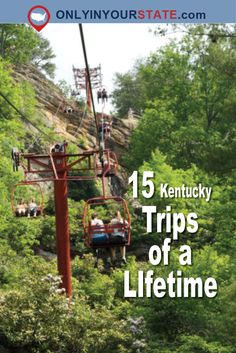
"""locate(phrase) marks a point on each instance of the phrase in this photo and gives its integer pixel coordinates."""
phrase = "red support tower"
(88, 93)
(81, 81)
(62, 224)
(59, 166)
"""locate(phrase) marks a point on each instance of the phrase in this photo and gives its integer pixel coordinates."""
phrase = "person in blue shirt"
(98, 230)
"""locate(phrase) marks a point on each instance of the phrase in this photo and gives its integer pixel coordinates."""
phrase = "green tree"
(42, 54)
(187, 93)
(20, 44)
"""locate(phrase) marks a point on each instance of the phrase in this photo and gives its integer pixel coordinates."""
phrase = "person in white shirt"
(98, 230)
(118, 232)
(32, 208)
(21, 208)
(96, 221)
(104, 95)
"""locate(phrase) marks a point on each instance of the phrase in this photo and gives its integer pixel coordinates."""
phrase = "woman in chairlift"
(21, 208)
(119, 234)
(98, 230)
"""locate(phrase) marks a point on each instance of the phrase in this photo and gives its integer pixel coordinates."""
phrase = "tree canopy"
(184, 95)
(20, 44)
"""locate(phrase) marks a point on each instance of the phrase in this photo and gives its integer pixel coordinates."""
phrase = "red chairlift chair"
(108, 167)
(108, 235)
(68, 110)
(105, 128)
(18, 208)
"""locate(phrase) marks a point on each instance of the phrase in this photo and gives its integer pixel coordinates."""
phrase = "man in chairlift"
(99, 95)
(104, 95)
(32, 209)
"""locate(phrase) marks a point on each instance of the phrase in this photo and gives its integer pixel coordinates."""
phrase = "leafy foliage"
(186, 92)
(20, 44)
(184, 95)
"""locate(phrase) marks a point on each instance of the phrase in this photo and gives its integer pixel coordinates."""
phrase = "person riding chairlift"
(21, 208)
(107, 129)
(105, 125)
(98, 230)
(104, 130)
(99, 95)
(104, 165)
(118, 233)
(32, 208)
(104, 95)
(68, 110)
(75, 93)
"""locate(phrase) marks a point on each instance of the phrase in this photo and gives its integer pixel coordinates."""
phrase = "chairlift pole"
(88, 92)
(82, 81)
(62, 222)
(55, 167)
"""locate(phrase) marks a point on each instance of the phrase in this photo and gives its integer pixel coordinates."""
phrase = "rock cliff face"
(78, 126)
(75, 126)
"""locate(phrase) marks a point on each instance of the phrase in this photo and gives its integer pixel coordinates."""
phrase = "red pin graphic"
(38, 17)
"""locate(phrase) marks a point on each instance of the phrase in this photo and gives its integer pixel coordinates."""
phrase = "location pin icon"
(38, 17)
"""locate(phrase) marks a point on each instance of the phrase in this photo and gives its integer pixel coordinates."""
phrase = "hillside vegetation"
(184, 95)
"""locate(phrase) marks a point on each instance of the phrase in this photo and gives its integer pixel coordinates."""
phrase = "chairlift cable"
(81, 120)
(102, 121)
(23, 117)
(89, 79)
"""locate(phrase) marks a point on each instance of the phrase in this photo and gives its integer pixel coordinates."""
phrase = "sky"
(115, 46)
